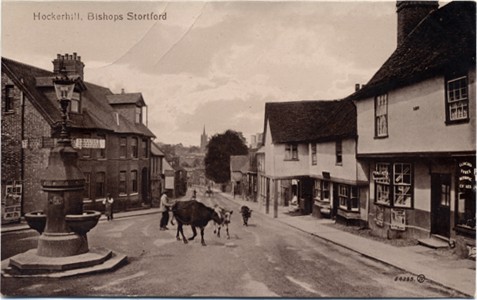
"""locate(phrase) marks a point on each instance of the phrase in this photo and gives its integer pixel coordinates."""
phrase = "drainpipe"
(22, 152)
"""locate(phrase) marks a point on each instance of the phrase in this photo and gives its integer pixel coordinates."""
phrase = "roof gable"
(97, 112)
(126, 98)
(444, 42)
(304, 121)
(239, 163)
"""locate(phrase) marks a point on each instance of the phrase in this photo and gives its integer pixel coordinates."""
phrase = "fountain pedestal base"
(62, 244)
(29, 264)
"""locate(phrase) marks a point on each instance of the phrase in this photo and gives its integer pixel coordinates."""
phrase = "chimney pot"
(356, 87)
(74, 55)
(122, 91)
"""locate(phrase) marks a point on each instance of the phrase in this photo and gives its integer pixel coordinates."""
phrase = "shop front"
(424, 197)
(465, 212)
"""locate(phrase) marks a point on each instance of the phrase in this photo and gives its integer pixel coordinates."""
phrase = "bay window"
(134, 148)
(122, 147)
(348, 197)
(87, 186)
(122, 183)
(134, 182)
(393, 184)
(100, 185)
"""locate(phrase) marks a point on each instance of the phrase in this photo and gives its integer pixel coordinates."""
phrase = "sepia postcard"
(238, 149)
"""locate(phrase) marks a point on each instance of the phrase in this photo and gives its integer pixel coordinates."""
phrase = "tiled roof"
(239, 163)
(305, 121)
(97, 112)
(155, 150)
(127, 98)
(442, 43)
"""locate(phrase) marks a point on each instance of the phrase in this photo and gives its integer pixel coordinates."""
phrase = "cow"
(246, 213)
(227, 215)
(195, 214)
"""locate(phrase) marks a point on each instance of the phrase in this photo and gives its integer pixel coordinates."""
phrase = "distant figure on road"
(108, 207)
(194, 195)
(164, 208)
(208, 192)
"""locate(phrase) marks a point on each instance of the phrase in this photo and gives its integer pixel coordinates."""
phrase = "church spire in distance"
(203, 141)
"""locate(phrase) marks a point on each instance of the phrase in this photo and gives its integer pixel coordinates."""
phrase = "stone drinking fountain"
(63, 225)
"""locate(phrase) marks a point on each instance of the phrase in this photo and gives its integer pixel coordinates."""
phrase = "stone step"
(434, 243)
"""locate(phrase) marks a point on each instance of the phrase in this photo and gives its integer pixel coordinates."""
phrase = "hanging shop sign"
(398, 219)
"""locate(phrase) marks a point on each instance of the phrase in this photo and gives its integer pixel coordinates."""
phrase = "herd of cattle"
(197, 214)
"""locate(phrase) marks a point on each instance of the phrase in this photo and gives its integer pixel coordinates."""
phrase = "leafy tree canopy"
(219, 150)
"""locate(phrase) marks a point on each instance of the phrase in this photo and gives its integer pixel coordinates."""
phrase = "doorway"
(440, 210)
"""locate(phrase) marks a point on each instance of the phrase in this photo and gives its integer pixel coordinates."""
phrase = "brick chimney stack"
(71, 62)
(410, 14)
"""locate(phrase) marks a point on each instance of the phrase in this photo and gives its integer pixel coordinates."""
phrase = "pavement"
(422, 262)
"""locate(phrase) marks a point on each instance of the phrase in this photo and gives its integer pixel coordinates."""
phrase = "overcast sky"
(210, 63)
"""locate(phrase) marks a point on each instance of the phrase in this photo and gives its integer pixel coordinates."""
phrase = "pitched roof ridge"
(26, 65)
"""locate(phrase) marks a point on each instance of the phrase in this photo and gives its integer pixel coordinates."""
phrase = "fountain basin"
(83, 223)
(36, 220)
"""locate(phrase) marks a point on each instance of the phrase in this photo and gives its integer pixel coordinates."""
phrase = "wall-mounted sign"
(326, 175)
(89, 143)
(398, 219)
(466, 175)
(379, 216)
(381, 175)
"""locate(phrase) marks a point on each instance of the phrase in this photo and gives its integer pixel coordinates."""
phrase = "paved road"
(265, 259)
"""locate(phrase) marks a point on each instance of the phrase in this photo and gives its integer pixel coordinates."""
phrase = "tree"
(219, 150)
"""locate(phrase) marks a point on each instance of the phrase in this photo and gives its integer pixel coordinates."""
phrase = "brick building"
(106, 128)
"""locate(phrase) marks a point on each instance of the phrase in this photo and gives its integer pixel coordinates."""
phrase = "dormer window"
(75, 103)
(138, 114)
(457, 100)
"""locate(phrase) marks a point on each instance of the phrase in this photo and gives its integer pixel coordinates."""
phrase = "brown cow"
(195, 214)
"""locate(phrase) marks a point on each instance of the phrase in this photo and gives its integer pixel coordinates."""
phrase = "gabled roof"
(444, 42)
(239, 163)
(126, 98)
(155, 150)
(97, 113)
(305, 121)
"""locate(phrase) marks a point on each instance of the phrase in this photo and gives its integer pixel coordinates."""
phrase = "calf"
(227, 215)
(195, 214)
(246, 213)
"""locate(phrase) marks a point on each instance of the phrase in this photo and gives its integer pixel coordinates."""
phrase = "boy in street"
(164, 208)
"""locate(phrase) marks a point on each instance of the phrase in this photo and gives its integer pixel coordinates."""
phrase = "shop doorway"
(440, 210)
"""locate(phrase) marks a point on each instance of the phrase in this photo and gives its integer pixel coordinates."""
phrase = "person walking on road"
(164, 207)
(108, 207)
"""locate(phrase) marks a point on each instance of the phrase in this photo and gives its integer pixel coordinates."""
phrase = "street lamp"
(64, 88)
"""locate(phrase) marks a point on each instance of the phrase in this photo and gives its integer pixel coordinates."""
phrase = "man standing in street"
(164, 208)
